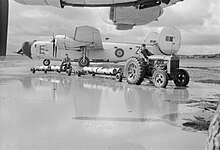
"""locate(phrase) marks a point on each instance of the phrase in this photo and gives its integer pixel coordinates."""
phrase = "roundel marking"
(119, 52)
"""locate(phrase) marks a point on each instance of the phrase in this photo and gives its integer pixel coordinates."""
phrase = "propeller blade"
(3, 27)
(53, 42)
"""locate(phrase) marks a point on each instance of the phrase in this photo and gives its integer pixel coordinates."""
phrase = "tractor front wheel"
(160, 78)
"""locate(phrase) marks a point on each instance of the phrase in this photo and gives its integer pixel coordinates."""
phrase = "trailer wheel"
(160, 78)
(69, 72)
(46, 62)
(79, 74)
(134, 70)
(118, 77)
(33, 70)
(83, 63)
(181, 78)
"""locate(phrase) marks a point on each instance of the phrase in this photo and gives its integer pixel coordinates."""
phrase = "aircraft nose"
(26, 48)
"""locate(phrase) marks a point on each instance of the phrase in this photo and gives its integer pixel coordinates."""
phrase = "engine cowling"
(125, 18)
(55, 3)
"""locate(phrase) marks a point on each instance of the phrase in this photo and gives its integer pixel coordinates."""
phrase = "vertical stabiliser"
(3, 27)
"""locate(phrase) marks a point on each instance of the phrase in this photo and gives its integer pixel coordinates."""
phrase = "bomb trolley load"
(163, 65)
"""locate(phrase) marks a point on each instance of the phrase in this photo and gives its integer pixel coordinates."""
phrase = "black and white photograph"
(109, 74)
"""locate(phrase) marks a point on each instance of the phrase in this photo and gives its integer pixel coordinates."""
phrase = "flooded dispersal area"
(54, 111)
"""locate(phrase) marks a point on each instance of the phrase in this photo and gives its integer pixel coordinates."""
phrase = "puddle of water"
(50, 112)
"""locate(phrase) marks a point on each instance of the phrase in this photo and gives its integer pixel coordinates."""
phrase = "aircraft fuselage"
(111, 52)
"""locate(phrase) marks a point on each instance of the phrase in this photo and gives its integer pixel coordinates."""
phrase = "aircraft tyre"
(135, 70)
(83, 63)
(46, 62)
(181, 78)
(160, 78)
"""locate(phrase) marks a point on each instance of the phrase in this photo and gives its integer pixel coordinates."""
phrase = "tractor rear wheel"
(181, 78)
(135, 70)
(160, 78)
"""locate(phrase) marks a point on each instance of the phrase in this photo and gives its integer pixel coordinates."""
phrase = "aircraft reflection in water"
(94, 100)
(77, 113)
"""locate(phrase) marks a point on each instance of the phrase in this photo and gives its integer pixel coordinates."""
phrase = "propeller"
(53, 44)
(3, 27)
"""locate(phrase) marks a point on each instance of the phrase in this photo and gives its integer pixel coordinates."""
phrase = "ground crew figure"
(66, 63)
(145, 52)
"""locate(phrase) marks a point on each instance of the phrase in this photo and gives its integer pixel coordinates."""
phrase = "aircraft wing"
(141, 4)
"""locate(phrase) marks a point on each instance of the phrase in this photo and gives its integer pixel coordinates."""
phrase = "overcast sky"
(197, 20)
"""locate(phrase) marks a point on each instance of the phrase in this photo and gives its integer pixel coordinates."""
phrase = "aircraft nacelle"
(125, 18)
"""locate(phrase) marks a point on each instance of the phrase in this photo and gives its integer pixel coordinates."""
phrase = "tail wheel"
(46, 62)
(135, 70)
(160, 78)
(83, 63)
(181, 78)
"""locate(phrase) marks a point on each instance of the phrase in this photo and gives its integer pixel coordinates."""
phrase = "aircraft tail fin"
(88, 35)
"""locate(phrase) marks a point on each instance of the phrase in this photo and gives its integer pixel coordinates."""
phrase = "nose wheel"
(46, 62)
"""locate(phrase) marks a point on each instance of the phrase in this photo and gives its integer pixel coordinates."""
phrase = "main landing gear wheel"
(83, 63)
(46, 62)
(134, 70)
(181, 78)
(160, 78)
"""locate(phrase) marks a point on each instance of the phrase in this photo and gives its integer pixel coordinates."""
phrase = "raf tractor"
(163, 65)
